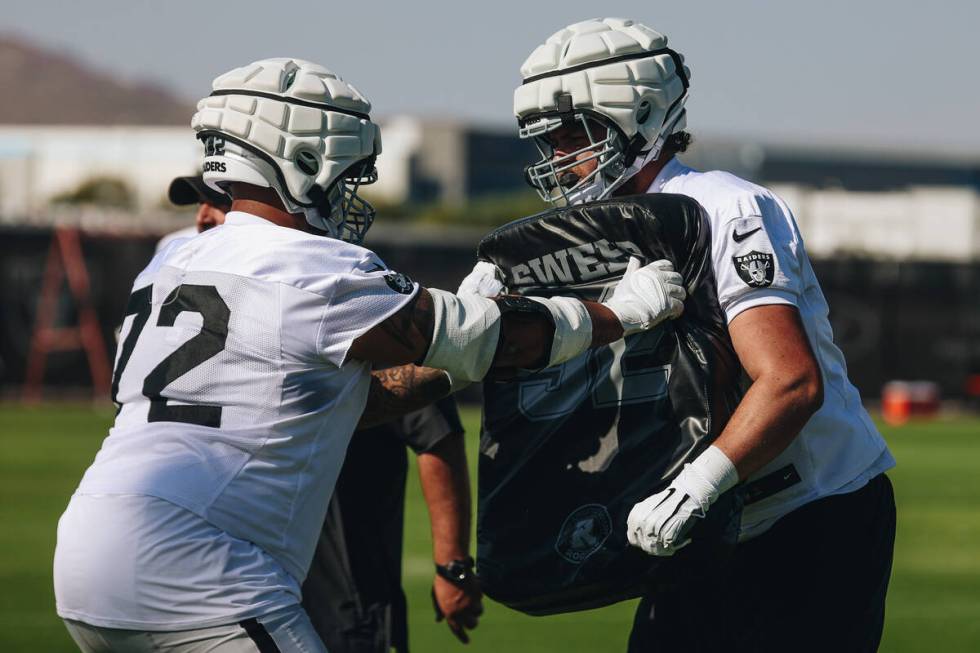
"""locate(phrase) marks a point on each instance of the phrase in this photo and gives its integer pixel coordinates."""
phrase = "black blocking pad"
(566, 452)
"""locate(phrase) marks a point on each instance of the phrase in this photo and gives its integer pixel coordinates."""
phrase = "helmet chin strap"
(329, 201)
(316, 220)
(643, 158)
(638, 164)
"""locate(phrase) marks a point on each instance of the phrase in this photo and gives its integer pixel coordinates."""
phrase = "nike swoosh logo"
(737, 237)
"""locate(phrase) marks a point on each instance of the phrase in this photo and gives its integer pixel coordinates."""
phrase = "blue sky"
(872, 73)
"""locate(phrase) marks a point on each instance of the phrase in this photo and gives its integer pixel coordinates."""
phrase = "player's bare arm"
(396, 391)
(446, 487)
(401, 389)
(786, 390)
(472, 336)
(524, 340)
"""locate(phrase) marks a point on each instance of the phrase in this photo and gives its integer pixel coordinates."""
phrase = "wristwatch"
(457, 572)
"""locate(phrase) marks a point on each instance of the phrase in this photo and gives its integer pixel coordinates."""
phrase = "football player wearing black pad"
(604, 102)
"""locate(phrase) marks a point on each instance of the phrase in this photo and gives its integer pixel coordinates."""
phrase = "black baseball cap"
(192, 190)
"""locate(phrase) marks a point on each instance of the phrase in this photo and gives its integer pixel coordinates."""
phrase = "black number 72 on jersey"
(215, 313)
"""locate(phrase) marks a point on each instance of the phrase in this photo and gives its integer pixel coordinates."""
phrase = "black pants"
(816, 581)
(348, 602)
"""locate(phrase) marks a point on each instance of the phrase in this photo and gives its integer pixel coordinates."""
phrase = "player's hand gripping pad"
(566, 452)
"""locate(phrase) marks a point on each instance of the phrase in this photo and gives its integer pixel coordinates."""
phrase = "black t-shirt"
(353, 591)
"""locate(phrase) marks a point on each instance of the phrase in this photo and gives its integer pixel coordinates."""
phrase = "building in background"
(426, 161)
(40, 164)
(421, 162)
(862, 204)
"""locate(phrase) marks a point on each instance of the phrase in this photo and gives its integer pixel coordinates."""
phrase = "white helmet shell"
(613, 69)
(293, 126)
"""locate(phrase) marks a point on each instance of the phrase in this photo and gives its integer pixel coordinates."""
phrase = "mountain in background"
(43, 87)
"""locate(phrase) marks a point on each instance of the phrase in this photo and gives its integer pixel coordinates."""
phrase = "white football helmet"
(620, 82)
(295, 127)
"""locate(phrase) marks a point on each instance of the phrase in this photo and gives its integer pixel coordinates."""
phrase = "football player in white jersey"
(244, 366)
(333, 582)
(604, 102)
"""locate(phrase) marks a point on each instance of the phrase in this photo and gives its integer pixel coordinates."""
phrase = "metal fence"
(893, 320)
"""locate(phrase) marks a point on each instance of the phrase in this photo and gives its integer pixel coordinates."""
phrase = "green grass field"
(934, 602)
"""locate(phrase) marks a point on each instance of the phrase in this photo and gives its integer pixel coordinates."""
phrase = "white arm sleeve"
(573, 328)
(467, 329)
(464, 336)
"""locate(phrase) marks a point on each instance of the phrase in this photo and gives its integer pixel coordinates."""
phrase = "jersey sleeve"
(425, 428)
(757, 258)
(360, 298)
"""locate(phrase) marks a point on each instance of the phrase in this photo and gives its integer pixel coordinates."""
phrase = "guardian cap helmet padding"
(295, 127)
(619, 81)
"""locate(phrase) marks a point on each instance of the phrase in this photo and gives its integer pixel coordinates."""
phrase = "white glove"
(646, 296)
(659, 524)
(484, 280)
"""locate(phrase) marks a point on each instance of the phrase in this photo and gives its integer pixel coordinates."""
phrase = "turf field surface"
(934, 601)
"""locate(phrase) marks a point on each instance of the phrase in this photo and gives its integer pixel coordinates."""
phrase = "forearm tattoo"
(397, 391)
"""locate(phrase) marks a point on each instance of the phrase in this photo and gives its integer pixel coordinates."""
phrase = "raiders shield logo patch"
(583, 533)
(755, 268)
(399, 282)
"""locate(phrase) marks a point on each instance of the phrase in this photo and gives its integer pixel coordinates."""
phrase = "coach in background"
(353, 592)
(211, 207)
(604, 102)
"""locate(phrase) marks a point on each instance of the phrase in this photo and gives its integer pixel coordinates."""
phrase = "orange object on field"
(902, 400)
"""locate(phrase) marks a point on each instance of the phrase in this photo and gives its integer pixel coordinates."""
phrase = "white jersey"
(759, 259)
(174, 236)
(141, 563)
(237, 401)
